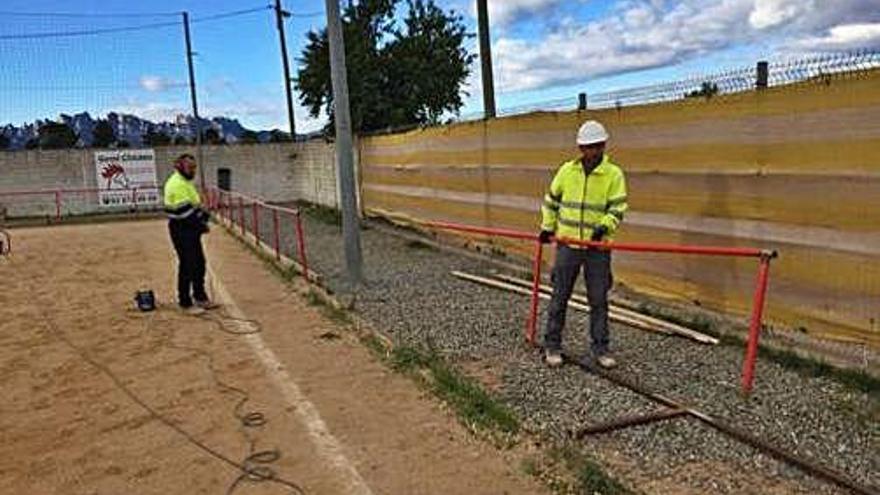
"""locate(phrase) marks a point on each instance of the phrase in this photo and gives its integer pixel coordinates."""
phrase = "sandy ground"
(100, 398)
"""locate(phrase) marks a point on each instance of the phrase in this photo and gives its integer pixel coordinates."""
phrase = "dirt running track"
(341, 421)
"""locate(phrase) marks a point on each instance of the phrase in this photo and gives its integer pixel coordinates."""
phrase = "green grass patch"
(418, 244)
(807, 366)
(473, 405)
(590, 477)
(323, 214)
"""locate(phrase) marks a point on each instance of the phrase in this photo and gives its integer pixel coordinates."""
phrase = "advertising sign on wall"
(126, 177)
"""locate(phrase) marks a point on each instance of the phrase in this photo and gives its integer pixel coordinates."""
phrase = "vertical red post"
(301, 245)
(58, 205)
(748, 373)
(256, 214)
(277, 234)
(241, 214)
(532, 323)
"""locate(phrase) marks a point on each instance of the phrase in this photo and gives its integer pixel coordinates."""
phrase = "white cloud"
(156, 84)
(842, 37)
(770, 13)
(502, 12)
(642, 34)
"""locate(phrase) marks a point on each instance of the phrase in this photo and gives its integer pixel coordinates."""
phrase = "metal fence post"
(763, 75)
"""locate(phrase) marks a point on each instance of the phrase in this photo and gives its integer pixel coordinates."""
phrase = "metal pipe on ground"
(571, 304)
(676, 329)
(807, 465)
(629, 421)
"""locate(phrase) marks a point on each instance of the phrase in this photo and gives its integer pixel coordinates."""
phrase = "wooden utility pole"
(486, 59)
(195, 104)
(280, 15)
(344, 154)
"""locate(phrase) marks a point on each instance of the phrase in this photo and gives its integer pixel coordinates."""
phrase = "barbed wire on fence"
(823, 68)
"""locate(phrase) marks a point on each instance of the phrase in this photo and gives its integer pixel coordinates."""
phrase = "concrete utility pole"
(280, 15)
(344, 154)
(486, 59)
(192, 94)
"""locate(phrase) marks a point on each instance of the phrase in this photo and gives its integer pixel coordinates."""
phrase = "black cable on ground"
(254, 467)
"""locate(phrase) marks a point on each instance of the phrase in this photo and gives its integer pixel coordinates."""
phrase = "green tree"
(55, 135)
(4, 142)
(103, 135)
(249, 137)
(211, 136)
(396, 76)
(181, 140)
(707, 90)
(277, 136)
(153, 138)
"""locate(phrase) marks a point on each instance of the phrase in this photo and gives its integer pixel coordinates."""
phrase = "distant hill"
(130, 130)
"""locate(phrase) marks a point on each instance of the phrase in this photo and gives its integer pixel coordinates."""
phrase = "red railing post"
(58, 205)
(241, 214)
(277, 234)
(256, 214)
(301, 245)
(748, 373)
(532, 323)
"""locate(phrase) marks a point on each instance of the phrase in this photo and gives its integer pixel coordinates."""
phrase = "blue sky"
(542, 49)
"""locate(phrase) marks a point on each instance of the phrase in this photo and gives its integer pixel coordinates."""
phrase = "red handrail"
(762, 281)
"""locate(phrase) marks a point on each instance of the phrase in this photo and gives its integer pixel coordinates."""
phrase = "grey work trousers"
(598, 277)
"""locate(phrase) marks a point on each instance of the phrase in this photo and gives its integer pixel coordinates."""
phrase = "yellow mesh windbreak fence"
(795, 168)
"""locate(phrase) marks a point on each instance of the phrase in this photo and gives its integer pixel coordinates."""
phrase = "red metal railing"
(225, 204)
(70, 201)
(764, 256)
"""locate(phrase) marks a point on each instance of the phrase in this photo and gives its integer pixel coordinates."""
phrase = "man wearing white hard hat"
(586, 202)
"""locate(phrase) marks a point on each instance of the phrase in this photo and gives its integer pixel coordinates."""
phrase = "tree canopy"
(56, 135)
(103, 134)
(397, 75)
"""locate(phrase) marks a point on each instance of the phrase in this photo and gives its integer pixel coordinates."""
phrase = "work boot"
(192, 310)
(553, 358)
(207, 304)
(606, 361)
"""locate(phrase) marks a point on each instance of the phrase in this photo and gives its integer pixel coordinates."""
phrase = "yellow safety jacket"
(577, 203)
(181, 197)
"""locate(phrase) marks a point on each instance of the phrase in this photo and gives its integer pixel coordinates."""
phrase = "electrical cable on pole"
(195, 105)
(280, 14)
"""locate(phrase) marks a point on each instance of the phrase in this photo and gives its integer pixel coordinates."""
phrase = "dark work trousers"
(187, 240)
(597, 272)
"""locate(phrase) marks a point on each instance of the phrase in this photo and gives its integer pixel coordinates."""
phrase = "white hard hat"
(591, 132)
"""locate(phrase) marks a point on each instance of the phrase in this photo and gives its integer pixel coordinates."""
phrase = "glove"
(545, 236)
(598, 233)
(203, 218)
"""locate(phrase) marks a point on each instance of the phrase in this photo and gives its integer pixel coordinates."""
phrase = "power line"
(87, 32)
(235, 13)
(83, 15)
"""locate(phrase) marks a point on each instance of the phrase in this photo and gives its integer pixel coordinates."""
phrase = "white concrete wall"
(273, 171)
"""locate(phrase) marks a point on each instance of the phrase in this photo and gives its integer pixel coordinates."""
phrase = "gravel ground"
(412, 297)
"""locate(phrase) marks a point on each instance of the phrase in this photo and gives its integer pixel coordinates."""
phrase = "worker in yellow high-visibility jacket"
(187, 221)
(586, 201)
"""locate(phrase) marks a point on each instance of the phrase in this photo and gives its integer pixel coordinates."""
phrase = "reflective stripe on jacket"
(181, 197)
(576, 203)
